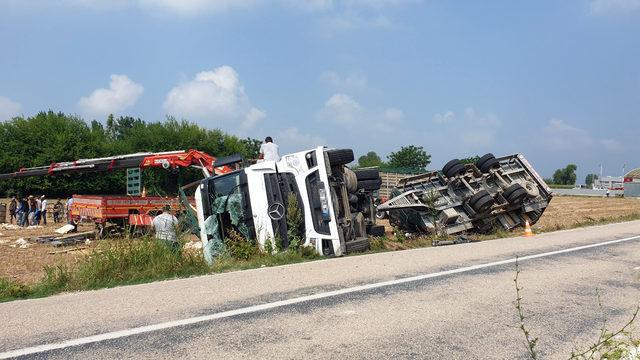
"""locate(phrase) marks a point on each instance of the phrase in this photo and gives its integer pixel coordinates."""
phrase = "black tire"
(510, 189)
(367, 174)
(376, 230)
(477, 196)
(447, 166)
(340, 156)
(357, 245)
(517, 196)
(457, 169)
(488, 165)
(370, 185)
(484, 158)
(381, 215)
(534, 216)
(484, 204)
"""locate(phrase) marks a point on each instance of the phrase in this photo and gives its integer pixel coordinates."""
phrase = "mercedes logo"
(276, 211)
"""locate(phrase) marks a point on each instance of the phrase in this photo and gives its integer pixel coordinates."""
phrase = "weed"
(240, 248)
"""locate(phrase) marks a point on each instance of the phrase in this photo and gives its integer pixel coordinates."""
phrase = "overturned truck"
(479, 197)
(309, 198)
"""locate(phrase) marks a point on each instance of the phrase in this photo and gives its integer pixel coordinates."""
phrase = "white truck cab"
(337, 213)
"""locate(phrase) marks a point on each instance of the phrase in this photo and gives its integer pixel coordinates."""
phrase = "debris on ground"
(21, 243)
(193, 245)
(9, 227)
(65, 229)
(66, 250)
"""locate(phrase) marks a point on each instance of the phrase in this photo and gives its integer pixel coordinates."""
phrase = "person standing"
(165, 226)
(31, 217)
(43, 209)
(69, 206)
(12, 209)
(36, 218)
(269, 150)
(58, 210)
(22, 213)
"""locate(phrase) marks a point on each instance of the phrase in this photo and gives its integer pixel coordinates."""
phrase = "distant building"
(632, 183)
(609, 182)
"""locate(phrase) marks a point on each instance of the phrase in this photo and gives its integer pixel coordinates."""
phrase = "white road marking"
(276, 304)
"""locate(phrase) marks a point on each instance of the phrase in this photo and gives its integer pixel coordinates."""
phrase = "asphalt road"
(452, 302)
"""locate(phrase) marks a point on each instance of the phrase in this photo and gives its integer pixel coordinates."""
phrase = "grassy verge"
(125, 262)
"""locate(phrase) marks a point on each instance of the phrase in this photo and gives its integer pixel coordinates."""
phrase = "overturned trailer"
(491, 193)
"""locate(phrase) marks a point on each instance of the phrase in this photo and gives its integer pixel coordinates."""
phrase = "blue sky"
(558, 81)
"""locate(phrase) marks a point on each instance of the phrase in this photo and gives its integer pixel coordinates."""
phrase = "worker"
(36, 217)
(43, 209)
(33, 205)
(269, 150)
(21, 211)
(69, 206)
(12, 209)
(165, 226)
(58, 210)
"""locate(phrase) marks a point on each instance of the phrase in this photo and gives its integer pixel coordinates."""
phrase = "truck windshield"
(226, 184)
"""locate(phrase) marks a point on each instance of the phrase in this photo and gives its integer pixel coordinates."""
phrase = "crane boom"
(166, 160)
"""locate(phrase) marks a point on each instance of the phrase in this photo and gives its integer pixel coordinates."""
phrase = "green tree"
(589, 180)
(565, 176)
(410, 157)
(470, 160)
(371, 159)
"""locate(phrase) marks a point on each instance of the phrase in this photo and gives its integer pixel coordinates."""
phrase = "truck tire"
(483, 204)
(367, 174)
(447, 166)
(477, 196)
(357, 245)
(340, 156)
(376, 230)
(487, 162)
(350, 180)
(457, 169)
(370, 185)
(515, 193)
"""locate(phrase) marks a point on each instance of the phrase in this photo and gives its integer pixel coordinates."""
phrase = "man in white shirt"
(269, 150)
(165, 226)
(43, 209)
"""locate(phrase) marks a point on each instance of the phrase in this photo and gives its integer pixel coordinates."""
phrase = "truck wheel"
(447, 166)
(457, 169)
(370, 185)
(357, 245)
(483, 204)
(477, 196)
(487, 162)
(376, 230)
(367, 174)
(514, 193)
(340, 156)
(381, 215)
(350, 180)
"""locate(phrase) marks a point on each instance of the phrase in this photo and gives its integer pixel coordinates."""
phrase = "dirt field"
(27, 264)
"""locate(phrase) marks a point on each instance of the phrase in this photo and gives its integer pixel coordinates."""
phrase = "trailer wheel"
(457, 169)
(370, 185)
(340, 156)
(484, 158)
(447, 166)
(477, 196)
(376, 230)
(350, 180)
(515, 193)
(367, 174)
(487, 162)
(483, 204)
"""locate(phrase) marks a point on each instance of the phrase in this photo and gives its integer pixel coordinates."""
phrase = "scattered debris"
(193, 245)
(4, 241)
(461, 239)
(67, 250)
(65, 229)
(9, 227)
(22, 243)
(73, 239)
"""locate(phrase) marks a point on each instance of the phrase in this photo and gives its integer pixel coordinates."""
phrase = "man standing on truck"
(165, 226)
(269, 150)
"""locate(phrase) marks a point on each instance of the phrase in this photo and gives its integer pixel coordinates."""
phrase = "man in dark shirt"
(12, 209)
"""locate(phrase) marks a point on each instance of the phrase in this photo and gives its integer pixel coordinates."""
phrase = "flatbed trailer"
(120, 209)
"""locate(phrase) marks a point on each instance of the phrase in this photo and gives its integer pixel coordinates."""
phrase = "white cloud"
(196, 7)
(349, 82)
(612, 145)
(606, 7)
(291, 138)
(341, 108)
(8, 108)
(445, 118)
(558, 135)
(215, 95)
(121, 94)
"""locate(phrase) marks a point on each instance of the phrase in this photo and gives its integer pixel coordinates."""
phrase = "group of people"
(31, 210)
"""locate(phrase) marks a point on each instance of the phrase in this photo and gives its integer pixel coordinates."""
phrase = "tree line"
(54, 137)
